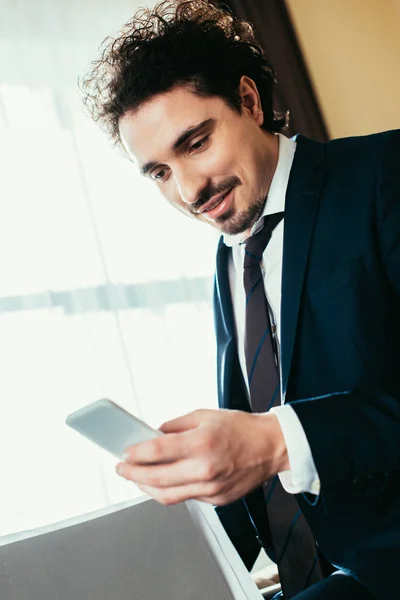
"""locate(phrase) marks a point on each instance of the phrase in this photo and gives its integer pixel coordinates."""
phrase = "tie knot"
(256, 244)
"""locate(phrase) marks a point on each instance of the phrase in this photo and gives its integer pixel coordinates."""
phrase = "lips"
(214, 202)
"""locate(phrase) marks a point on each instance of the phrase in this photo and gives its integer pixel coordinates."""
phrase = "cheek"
(221, 163)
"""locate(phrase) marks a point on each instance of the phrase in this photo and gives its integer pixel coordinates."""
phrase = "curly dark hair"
(178, 42)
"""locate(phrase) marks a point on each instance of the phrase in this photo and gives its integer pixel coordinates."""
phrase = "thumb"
(189, 421)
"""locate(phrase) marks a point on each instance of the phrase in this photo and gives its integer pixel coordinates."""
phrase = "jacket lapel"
(230, 383)
(302, 198)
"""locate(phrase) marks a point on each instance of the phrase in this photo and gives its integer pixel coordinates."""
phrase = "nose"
(190, 184)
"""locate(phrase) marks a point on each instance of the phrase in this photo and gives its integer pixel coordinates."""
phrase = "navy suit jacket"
(340, 336)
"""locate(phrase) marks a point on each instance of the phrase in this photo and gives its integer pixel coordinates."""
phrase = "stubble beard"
(231, 223)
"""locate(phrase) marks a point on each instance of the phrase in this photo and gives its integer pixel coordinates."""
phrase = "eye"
(200, 144)
(159, 175)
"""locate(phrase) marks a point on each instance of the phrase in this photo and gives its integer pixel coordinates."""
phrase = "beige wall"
(352, 49)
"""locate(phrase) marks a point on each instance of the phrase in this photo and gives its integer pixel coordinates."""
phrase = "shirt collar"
(275, 201)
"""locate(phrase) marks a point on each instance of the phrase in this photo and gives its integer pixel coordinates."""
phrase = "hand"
(216, 456)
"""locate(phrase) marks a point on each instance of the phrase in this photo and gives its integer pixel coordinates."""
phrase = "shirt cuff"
(303, 475)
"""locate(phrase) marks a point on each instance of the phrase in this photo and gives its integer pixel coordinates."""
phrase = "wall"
(352, 49)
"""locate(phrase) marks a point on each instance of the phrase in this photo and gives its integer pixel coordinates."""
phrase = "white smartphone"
(110, 426)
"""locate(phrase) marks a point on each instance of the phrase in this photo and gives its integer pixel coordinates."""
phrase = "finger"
(159, 476)
(163, 449)
(182, 472)
(189, 421)
(182, 494)
(215, 493)
(221, 499)
(175, 495)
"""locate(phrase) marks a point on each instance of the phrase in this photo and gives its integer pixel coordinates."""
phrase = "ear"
(251, 103)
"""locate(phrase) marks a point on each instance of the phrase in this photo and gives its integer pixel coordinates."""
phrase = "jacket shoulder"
(365, 145)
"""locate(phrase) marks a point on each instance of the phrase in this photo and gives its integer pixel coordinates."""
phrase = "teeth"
(218, 202)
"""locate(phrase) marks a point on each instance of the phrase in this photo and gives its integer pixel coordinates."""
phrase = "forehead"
(154, 127)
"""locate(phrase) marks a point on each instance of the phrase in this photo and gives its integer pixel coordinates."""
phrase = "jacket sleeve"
(354, 435)
(358, 454)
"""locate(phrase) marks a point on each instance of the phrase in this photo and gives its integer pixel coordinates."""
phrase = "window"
(105, 291)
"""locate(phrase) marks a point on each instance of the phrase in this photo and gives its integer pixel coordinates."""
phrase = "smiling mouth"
(216, 203)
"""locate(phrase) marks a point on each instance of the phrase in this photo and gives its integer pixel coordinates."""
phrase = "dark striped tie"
(292, 539)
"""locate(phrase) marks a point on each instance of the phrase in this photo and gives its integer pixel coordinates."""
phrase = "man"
(307, 299)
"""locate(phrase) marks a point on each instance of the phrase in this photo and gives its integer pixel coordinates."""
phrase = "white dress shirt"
(302, 476)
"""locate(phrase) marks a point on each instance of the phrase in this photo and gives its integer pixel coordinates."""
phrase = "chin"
(236, 223)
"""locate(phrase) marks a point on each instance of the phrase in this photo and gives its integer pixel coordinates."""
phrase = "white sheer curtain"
(104, 289)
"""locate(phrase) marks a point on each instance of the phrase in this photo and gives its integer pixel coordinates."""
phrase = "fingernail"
(125, 456)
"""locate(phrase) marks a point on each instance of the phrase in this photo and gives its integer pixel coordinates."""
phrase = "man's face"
(208, 161)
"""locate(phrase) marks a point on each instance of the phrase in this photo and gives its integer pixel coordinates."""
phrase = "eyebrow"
(181, 139)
